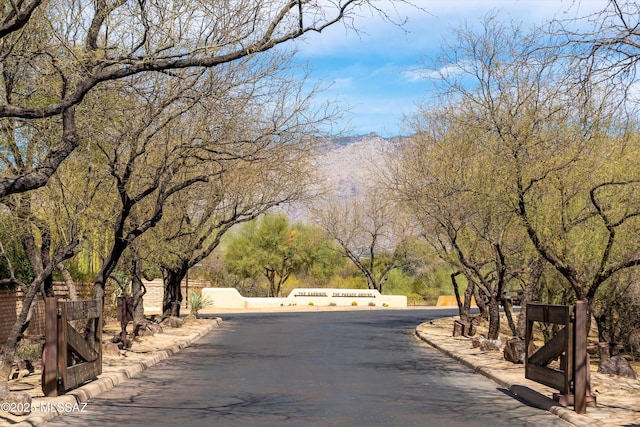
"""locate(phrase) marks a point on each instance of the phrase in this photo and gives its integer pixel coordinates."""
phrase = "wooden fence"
(71, 358)
(571, 377)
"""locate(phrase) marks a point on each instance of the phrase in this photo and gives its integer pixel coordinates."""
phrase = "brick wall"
(8, 312)
(11, 305)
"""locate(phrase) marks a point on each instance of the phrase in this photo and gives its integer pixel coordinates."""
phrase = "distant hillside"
(343, 141)
(346, 165)
(350, 162)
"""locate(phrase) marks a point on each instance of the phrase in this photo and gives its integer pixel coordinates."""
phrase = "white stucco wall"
(231, 298)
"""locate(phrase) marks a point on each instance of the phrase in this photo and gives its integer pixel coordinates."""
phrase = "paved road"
(353, 368)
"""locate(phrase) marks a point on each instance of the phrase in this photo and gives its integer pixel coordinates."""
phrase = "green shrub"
(197, 302)
(354, 303)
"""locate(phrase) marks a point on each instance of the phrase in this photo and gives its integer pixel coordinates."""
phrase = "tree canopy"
(273, 248)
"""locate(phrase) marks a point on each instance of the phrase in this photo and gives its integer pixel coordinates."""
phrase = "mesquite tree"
(54, 53)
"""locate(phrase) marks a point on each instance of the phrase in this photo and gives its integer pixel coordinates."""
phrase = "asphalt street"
(331, 368)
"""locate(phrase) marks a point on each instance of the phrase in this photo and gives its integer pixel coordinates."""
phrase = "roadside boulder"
(21, 369)
(514, 350)
(172, 322)
(17, 403)
(486, 345)
(110, 349)
(617, 365)
(146, 329)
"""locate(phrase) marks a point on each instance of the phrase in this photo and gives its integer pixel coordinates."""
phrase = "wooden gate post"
(581, 358)
(570, 345)
(50, 354)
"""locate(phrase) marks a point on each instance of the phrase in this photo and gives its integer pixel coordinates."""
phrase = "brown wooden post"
(98, 329)
(528, 339)
(569, 347)
(62, 346)
(50, 354)
(580, 358)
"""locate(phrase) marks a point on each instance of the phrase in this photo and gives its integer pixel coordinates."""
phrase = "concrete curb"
(528, 395)
(93, 389)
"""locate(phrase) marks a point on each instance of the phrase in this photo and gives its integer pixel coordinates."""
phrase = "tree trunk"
(456, 291)
(279, 287)
(494, 319)
(172, 278)
(6, 362)
(68, 280)
(271, 277)
(9, 348)
(464, 306)
(137, 290)
(531, 294)
(100, 281)
(480, 302)
(508, 311)
(603, 322)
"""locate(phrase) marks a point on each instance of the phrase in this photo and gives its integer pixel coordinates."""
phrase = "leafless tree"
(369, 232)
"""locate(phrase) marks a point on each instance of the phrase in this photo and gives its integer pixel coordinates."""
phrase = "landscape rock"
(617, 365)
(486, 345)
(25, 365)
(22, 368)
(514, 350)
(467, 329)
(17, 403)
(172, 322)
(110, 349)
(146, 329)
(491, 345)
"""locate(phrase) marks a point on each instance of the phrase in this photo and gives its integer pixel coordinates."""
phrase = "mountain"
(344, 141)
(352, 162)
(345, 167)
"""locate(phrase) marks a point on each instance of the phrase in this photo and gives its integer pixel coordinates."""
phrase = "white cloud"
(415, 75)
(342, 83)
(379, 72)
(422, 73)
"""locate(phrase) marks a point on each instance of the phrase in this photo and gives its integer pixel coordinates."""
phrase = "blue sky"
(372, 74)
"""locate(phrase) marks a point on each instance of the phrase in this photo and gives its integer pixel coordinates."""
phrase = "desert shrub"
(29, 350)
(197, 302)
